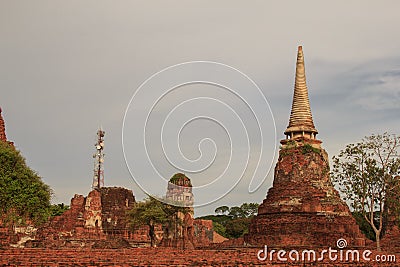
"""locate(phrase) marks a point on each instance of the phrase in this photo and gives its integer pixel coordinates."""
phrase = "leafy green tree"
(236, 212)
(23, 195)
(237, 227)
(246, 210)
(58, 209)
(219, 228)
(249, 209)
(366, 174)
(149, 212)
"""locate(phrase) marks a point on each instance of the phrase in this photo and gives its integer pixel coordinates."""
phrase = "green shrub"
(23, 195)
(307, 148)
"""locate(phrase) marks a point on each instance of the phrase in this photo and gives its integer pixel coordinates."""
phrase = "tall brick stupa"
(302, 208)
(3, 136)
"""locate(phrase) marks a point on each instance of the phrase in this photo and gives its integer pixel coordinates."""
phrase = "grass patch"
(307, 148)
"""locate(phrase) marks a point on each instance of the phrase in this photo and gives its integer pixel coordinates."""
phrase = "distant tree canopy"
(233, 222)
(23, 195)
(246, 210)
(222, 210)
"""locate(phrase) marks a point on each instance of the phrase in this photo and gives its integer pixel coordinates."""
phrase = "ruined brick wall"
(5, 236)
(99, 216)
(116, 202)
(93, 210)
(70, 219)
(102, 215)
(69, 225)
(303, 208)
(203, 233)
(391, 239)
(193, 233)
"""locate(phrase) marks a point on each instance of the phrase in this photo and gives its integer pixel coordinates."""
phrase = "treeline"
(233, 222)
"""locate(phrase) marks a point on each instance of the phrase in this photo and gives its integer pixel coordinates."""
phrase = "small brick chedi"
(302, 208)
(191, 232)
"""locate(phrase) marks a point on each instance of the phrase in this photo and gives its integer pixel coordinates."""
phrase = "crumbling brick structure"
(190, 233)
(3, 136)
(99, 216)
(100, 221)
(391, 239)
(302, 208)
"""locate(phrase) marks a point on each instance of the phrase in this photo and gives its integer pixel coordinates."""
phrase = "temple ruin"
(3, 136)
(302, 208)
(99, 216)
(189, 233)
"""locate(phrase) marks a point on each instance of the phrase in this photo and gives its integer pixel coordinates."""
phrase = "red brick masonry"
(3, 136)
(152, 257)
(303, 208)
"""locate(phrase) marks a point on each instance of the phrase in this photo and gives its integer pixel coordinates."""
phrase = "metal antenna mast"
(98, 177)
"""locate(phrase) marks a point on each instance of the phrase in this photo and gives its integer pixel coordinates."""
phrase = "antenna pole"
(98, 178)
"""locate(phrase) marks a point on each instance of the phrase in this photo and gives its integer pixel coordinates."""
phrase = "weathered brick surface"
(195, 233)
(5, 236)
(155, 257)
(3, 136)
(99, 216)
(303, 207)
(115, 204)
(192, 232)
(99, 220)
(203, 233)
(391, 239)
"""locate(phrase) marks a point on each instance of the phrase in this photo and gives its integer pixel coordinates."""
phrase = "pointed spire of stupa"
(3, 136)
(301, 122)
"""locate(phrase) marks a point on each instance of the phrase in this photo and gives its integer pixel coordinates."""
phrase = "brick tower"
(3, 136)
(302, 208)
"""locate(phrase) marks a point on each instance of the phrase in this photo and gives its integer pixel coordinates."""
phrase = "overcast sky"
(67, 67)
